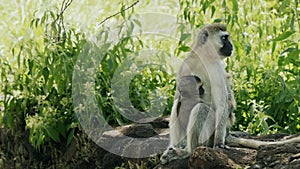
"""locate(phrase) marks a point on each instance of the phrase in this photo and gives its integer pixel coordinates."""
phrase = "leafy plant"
(38, 93)
(142, 81)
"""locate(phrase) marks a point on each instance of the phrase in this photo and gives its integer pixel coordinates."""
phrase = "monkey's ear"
(203, 36)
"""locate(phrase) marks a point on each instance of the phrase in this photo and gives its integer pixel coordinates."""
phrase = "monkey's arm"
(174, 124)
(177, 133)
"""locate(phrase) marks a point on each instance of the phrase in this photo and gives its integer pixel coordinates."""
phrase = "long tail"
(251, 143)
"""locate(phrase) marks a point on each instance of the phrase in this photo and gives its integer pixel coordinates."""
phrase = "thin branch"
(131, 6)
(64, 6)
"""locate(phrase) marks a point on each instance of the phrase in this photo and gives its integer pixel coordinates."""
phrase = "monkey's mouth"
(226, 51)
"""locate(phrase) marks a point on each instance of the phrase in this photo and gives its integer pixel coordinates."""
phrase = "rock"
(209, 158)
(279, 156)
(133, 140)
(176, 164)
(284, 156)
(135, 144)
(230, 158)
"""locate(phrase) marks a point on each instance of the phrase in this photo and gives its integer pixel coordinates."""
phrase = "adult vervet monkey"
(203, 100)
(203, 103)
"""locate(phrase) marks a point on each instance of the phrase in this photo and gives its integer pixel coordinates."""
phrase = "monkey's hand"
(173, 153)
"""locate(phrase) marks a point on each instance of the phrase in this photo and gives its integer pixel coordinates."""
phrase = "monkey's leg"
(220, 104)
(227, 118)
(221, 114)
(177, 136)
(200, 127)
(220, 133)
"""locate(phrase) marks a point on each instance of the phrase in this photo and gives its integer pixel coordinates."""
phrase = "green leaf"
(284, 35)
(70, 136)
(123, 11)
(235, 6)
(213, 10)
(61, 128)
(184, 48)
(46, 74)
(218, 20)
(54, 135)
(19, 56)
(52, 14)
(39, 140)
(184, 36)
(137, 22)
(30, 66)
(37, 22)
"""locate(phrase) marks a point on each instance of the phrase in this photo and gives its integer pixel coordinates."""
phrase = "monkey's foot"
(223, 146)
(173, 153)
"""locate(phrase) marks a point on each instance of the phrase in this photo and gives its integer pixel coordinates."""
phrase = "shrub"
(37, 94)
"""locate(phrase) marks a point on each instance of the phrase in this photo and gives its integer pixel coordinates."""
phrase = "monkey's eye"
(224, 37)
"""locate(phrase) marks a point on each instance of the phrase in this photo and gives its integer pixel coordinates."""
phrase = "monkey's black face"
(227, 48)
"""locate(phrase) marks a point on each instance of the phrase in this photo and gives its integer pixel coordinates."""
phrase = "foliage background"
(39, 48)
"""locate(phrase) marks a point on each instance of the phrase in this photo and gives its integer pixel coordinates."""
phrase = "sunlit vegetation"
(41, 42)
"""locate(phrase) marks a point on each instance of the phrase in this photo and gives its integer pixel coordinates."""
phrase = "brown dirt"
(17, 153)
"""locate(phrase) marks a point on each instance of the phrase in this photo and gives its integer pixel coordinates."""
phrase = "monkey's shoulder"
(190, 85)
